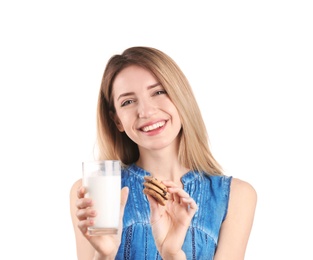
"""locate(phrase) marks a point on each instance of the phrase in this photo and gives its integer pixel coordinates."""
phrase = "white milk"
(105, 192)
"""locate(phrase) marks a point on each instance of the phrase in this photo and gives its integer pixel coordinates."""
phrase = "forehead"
(133, 76)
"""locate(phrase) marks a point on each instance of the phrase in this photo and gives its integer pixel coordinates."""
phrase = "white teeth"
(154, 126)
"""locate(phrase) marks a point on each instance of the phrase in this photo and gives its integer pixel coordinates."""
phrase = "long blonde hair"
(194, 151)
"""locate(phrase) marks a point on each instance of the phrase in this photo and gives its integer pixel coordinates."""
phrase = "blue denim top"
(211, 194)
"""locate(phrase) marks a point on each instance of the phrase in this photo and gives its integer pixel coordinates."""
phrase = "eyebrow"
(131, 93)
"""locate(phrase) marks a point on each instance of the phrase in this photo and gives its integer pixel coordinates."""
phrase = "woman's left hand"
(170, 222)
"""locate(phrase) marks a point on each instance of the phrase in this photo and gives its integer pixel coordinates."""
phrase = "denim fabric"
(211, 194)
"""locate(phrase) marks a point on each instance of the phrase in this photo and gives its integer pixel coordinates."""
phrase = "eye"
(127, 102)
(160, 92)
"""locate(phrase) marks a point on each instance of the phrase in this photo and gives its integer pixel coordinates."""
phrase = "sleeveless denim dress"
(211, 193)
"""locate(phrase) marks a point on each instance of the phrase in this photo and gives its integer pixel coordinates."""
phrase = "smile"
(153, 127)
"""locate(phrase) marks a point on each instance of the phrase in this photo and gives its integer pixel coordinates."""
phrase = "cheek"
(176, 117)
(125, 120)
(173, 110)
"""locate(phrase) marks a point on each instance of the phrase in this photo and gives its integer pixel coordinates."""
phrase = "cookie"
(156, 189)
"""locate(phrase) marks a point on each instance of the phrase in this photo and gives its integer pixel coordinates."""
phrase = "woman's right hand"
(106, 246)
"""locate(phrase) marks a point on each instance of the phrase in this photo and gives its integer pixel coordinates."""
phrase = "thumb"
(124, 196)
(155, 211)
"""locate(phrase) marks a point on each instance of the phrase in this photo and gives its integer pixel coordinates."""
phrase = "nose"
(146, 109)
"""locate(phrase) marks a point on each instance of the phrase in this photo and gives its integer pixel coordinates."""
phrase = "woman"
(148, 118)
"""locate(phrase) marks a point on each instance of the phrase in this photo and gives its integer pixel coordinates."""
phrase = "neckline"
(187, 177)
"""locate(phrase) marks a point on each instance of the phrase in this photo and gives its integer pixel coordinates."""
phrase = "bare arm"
(236, 228)
(83, 247)
(93, 247)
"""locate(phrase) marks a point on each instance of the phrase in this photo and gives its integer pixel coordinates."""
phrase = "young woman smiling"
(148, 118)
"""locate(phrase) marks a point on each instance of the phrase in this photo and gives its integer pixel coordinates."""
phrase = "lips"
(153, 126)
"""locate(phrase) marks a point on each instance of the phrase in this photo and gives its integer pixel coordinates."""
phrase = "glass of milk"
(102, 180)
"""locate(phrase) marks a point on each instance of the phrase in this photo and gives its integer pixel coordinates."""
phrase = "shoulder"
(236, 227)
(243, 196)
(219, 183)
(240, 187)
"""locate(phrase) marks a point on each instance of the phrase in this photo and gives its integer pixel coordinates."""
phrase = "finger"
(81, 191)
(153, 202)
(84, 203)
(156, 210)
(176, 197)
(179, 192)
(124, 197)
(82, 214)
(83, 225)
(190, 204)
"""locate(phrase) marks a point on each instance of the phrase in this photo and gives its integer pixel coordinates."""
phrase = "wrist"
(178, 256)
(100, 257)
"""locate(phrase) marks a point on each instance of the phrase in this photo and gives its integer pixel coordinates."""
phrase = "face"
(144, 110)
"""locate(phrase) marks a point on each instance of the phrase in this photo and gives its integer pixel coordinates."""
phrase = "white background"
(250, 64)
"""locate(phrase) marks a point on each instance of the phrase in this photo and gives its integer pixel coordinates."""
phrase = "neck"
(162, 165)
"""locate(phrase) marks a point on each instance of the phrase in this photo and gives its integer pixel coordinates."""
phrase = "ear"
(117, 121)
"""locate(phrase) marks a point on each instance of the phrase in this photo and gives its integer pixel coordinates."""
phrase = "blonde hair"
(194, 151)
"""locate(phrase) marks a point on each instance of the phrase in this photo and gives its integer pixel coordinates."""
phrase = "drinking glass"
(102, 180)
